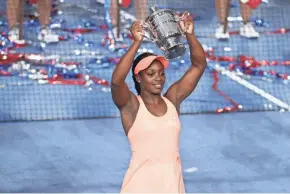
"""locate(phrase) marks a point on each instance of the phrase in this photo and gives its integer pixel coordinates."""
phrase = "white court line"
(251, 87)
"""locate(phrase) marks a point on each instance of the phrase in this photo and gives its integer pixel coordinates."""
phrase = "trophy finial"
(153, 9)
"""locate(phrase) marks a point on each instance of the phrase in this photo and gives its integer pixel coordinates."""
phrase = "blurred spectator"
(141, 7)
(44, 11)
(246, 30)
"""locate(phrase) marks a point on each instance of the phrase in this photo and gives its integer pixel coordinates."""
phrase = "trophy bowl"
(162, 28)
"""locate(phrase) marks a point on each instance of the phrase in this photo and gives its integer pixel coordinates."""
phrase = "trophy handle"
(148, 32)
(178, 19)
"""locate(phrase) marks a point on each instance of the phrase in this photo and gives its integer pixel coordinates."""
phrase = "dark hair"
(135, 62)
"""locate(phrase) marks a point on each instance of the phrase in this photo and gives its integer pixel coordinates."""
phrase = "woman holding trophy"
(150, 119)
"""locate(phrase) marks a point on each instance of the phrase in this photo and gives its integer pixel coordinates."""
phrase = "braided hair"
(135, 62)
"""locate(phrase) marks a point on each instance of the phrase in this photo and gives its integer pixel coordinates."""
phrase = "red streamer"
(4, 73)
(247, 62)
(66, 82)
(79, 30)
(80, 81)
(10, 58)
(6, 59)
(233, 108)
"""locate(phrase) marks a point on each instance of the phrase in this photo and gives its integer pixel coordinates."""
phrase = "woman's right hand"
(137, 31)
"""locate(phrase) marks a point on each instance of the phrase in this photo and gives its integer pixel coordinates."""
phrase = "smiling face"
(152, 79)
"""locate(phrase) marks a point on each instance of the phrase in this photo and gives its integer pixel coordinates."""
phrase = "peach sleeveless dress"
(155, 165)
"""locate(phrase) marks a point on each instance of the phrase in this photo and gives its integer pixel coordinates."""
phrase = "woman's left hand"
(186, 23)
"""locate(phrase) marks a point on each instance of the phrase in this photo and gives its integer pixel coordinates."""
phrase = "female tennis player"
(151, 119)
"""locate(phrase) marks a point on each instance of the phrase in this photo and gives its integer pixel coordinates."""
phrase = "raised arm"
(185, 86)
(120, 91)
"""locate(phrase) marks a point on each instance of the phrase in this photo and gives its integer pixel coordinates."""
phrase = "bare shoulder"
(172, 98)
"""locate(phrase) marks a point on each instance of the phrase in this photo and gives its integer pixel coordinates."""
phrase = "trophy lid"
(153, 9)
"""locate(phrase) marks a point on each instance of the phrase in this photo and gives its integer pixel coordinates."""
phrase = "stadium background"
(79, 150)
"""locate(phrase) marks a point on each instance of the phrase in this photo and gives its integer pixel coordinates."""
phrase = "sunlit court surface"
(60, 130)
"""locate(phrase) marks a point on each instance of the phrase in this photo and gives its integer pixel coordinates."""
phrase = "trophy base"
(175, 51)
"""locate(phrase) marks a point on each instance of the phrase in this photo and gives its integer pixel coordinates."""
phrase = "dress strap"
(140, 99)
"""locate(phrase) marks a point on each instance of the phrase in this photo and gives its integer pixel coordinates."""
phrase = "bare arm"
(120, 91)
(185, 86)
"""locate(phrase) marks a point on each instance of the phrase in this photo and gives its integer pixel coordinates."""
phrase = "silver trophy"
(162, 28)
